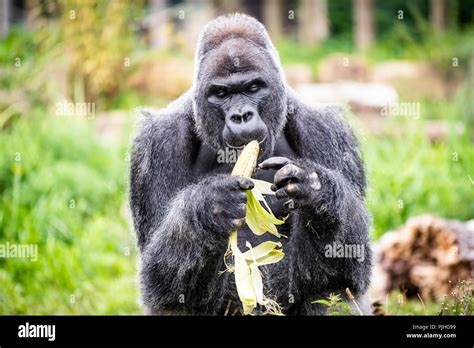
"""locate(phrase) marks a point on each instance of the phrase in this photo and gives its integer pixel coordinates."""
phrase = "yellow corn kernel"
(247, 160)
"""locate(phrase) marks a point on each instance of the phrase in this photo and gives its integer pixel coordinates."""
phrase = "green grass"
(411, 176)
(67, 194)
(459, 302)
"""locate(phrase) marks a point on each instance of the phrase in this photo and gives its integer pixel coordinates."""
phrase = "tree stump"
(427, 256)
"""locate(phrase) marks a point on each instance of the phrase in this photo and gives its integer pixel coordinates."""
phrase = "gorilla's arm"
(181, 243)
(181, 263)
(329, 205)
(334, 214)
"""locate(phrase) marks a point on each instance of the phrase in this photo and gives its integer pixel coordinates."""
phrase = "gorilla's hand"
(222, 204)
(294, 183)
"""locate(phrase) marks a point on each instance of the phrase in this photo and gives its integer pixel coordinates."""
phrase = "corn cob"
(247, 160)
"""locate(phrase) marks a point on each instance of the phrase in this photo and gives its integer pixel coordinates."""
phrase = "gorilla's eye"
(254, 87)
(220, 93)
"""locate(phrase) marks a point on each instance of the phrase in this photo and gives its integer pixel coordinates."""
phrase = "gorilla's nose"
(242, 122)
(243, 125)
(242, 117)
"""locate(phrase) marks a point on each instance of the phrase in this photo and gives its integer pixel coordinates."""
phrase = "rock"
(427, 256)
(437, 131)
(413, 79)
(341, 68)
(359, 95)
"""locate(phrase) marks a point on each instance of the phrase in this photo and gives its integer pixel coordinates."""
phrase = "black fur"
(175, 188)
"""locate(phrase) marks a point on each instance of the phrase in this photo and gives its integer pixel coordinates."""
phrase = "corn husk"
(248, 277)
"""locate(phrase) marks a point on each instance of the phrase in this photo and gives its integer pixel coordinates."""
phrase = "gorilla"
(185, 203)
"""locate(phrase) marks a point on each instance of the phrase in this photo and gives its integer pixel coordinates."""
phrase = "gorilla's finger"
(240, 209)
(274, 163)
(238, 223)
(280, 194)
(290, 205)
(290, 190)
(246, 184)
(236, 211)
(216, 209)
(288, 172)
(240, 196)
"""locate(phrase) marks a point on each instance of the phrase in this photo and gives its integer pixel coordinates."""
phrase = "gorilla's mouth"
(260, 142)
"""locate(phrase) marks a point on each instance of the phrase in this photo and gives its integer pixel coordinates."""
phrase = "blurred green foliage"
(82, 52)
(98, 37)
(291, 51)
(460, 14)
(65, 191)
(409, 176)
(460, 301)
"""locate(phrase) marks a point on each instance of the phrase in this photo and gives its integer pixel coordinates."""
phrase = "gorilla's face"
(239, 97)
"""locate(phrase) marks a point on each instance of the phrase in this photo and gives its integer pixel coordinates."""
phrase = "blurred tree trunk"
(313, 21)
(159, 19)
(364, 23)
(272, 17)
(438, 15)
(33, 12)
(222, 7)
(4, 17)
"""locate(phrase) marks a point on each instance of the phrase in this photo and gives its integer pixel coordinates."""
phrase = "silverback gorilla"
(185, 203)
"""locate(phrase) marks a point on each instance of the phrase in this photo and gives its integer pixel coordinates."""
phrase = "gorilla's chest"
(207, 163)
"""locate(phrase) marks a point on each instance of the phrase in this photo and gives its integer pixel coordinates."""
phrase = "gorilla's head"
(239, 89)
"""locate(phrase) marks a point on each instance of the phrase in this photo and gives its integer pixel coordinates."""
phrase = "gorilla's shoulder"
(169, 121)
(323, 124)
(166, 134)
(322, 133)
